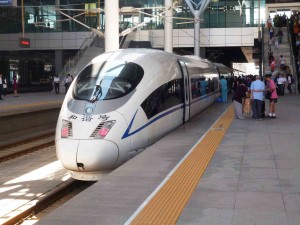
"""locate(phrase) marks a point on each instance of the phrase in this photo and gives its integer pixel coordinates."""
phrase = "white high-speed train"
(123, 101)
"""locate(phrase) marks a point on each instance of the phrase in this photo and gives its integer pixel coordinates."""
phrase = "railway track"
(29, 145)
(67, 190)
(32, 165)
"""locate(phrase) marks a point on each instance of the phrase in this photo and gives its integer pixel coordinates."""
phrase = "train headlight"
(105, 128)
(66, 129)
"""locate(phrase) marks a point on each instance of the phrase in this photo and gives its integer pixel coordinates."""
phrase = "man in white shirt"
(257, 96)
(282, 62)
(1, 86)
(281, 84)
(289, 82)
(56, 84)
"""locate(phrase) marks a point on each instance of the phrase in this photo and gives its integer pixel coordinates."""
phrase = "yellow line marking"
(167, 204)
(31, 104)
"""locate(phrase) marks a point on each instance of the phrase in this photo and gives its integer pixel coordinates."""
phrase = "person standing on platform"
(68, 81)
(56, 84)
(15, 86)
(280, 35)
(269, 22)
(4, 81)
(273, 65)
(257, 88)
(238, 95)
(271, 32)
(289, 82)
(282, 62)
(271, 86)
(276, 41)
(1, 86)
(281, 84)
(223, 83)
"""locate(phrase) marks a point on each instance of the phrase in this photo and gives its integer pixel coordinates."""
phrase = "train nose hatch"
(95, 155)
(80, 166)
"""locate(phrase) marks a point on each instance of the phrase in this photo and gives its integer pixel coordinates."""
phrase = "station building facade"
(54, 38)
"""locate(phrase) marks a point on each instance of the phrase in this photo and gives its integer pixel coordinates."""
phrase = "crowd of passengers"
(251, 91)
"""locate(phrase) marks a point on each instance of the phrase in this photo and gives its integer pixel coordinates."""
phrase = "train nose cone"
(97, 155)
(87, 155)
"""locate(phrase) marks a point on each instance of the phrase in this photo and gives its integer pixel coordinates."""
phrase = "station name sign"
(8, 3)
(24, 42)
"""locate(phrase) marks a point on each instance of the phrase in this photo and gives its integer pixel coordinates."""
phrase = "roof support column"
(111, 25)
(197, 33)
(168, 26)
(197, 7)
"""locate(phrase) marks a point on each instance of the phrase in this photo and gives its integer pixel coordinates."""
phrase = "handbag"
(268, 95)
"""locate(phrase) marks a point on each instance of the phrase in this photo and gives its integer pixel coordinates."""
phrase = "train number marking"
(72, 117)
(103, 117)
(86, 118)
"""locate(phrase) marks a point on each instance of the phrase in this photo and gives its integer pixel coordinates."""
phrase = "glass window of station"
(218, 14)
(44, 16)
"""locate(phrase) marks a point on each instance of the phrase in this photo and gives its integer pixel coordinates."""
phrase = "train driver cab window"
(107, 80)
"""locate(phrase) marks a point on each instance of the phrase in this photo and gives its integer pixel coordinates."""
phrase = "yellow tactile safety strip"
(167, 204)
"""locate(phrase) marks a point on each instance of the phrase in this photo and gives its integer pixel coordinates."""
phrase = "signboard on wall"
(8, 3)
(24, 42)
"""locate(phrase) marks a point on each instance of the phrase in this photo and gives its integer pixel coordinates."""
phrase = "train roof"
(222, 68)
(145, 57)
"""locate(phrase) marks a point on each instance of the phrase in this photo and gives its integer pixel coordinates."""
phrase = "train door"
(186, 92)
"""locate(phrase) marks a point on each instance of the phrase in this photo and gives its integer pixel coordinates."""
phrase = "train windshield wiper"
(97, 94)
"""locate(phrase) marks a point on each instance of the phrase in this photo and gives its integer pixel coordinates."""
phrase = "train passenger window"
(107, 80)
(164, 97)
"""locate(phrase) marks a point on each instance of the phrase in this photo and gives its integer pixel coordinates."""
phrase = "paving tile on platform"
(293, 217)
(258, 148)
(219, 172)
(218, 184)
(259, 201)
(258, 155)
(231, 148)
(288, 163)
(290, 186)
(259, 163)
(259, 217)
(289, 174)
(259, 185)
(209, 216)
(268, 173)
(292, 201)
(212, 199)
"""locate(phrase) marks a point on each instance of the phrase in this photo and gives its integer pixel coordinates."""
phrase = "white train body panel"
(123, 101)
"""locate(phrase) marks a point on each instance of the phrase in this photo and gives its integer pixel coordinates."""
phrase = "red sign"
(24, 42)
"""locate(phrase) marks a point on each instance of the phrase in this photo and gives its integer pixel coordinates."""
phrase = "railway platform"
(29, 102)
(213, 170)
(28, 115)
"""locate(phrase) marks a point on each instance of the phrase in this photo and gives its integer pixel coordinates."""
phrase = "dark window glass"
(201, 87)
(202, 81)
(164, 97)
(107, 80)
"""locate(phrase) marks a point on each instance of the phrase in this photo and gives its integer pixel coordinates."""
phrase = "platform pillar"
(169, 26)
(111, 25)
(58, 61)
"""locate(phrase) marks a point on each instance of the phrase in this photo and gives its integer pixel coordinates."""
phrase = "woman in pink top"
(271, 86)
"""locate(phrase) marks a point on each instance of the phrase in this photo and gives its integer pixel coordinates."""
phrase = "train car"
(227, 73)
(224, 71)
(124, 101)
